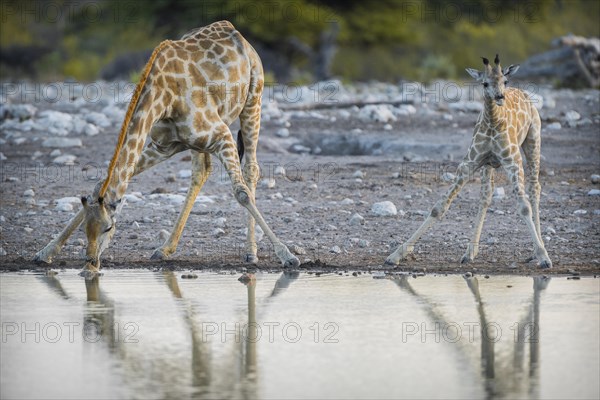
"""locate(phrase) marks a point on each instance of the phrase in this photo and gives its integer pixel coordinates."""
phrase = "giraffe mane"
(130, 109)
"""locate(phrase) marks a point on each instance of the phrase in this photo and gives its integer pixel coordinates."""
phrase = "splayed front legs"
(436, 214)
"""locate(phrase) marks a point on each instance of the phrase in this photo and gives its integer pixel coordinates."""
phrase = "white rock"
(204, 199)
(55, 153)
(114, 113)
(335, 250)
(220, 222)
(299, 251)
(344, 114)
(217, 232)
(173, 199)
(384, 209)
(554, 126)
(97, 118)
(65, 159)
(184, 174)
(19, 141)
(30, 201)
(268, 183)
(356, 220)
(163, 235)
(71, 199)
(79, 125)
(572, 115)
(283, 133)
(387, 127)
(131, 198)
(2, 252)
(62, 142)
(64, 207)
(2, 157)
(376, 113)
(28, 229)
(29, 193)
(358, 174)
(56, 122)
(17, 111)
(448, 177)
(347, 202)
(594, 192)
(499, 192)
(363, 243)
(279, 171)
(91, 130)
(595, 179)
(580, 212)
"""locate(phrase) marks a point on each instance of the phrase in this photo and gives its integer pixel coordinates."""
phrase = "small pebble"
(335, 250)
(357, 220)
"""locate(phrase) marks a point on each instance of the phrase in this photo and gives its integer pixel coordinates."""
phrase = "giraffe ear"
(511, 69)
(477, 75)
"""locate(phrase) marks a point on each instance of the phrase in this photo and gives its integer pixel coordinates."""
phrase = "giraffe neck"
(493, 114)
(141, 123)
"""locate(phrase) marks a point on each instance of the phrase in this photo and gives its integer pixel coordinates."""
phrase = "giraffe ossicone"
(509, 121)
(190, 92)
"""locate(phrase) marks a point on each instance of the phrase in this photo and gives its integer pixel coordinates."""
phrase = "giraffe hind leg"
(247, 141)
(227, 154)
(531, 150)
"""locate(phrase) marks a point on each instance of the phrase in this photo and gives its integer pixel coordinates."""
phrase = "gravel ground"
(338, 163)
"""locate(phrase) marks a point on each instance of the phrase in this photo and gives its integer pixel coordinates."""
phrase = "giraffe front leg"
(47, 253)
(227, 154)
(436, 214)
(201, 168)
(514, 170)
(487, 186)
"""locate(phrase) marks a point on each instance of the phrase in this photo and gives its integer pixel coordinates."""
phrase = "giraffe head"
(493, 78)
(99, 226)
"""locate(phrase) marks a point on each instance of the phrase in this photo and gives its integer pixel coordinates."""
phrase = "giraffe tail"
(240, 145)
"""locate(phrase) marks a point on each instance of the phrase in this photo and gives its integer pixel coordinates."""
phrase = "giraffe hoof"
(158, 255)
(391, 261)
(39, 259)
(251, 258)
(291, 262)
(466, 259)
(545, 264)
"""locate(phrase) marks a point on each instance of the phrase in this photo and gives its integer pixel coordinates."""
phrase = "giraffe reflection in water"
(500, 378)
(238, 379)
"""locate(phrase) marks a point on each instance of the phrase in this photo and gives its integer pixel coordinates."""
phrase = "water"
(141, 334)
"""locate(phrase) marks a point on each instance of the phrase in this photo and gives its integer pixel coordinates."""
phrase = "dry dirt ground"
(405, 165)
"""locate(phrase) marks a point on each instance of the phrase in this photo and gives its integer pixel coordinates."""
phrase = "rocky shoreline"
(348, 172)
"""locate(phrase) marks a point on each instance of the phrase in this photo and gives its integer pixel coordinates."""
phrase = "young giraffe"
(508, 121)
(190, 91)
